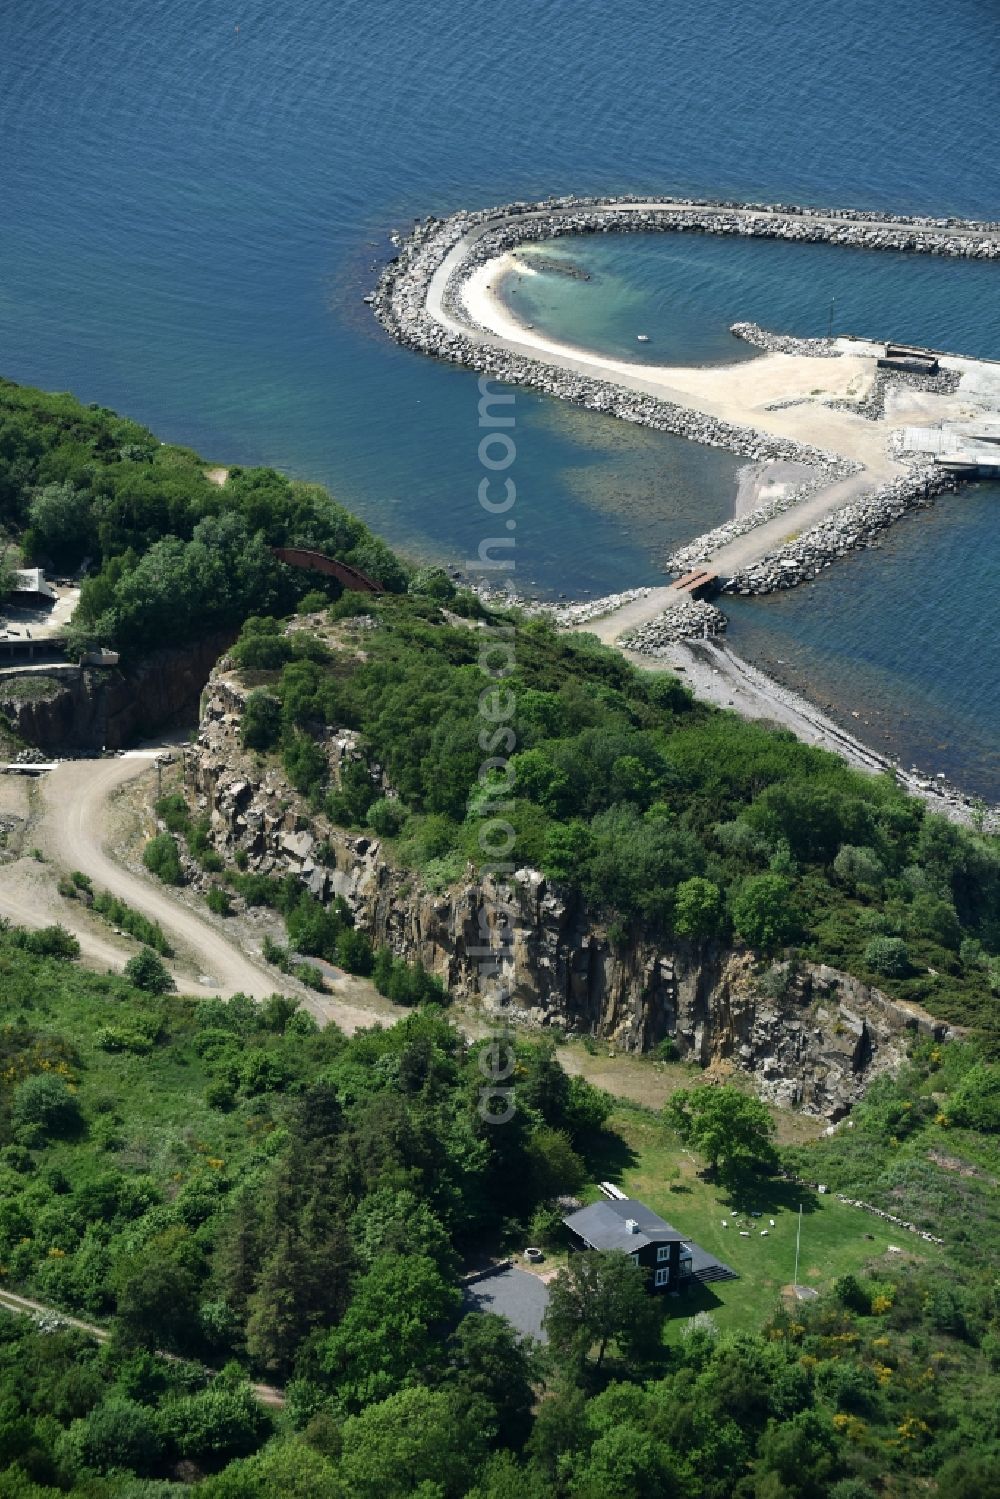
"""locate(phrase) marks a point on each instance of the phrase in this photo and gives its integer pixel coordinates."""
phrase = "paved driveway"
(514, 1294)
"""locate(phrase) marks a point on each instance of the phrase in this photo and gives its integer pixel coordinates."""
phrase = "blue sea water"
(193, 194)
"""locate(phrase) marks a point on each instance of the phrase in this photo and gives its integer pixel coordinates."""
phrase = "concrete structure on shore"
(856, 415)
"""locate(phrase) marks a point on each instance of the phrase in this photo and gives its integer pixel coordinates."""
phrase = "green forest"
(171, 556)
(235, 1195)
(263, 1225)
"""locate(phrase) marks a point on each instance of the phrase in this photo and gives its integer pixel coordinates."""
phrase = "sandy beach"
(740, 393)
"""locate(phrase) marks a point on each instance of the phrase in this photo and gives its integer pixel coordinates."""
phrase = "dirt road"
(24, 1306)
(70, 828)
(72, 833)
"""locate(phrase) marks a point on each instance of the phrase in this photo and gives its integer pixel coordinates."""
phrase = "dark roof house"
(628, 1225)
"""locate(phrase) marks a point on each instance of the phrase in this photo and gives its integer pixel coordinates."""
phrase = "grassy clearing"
(644, 1080)
(28, 689)
(150, 1112)
(647, 1161)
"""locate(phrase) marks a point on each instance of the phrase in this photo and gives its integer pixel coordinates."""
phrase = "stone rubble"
(858, 525)
(687, 620)
(782, 343)
(872, 406)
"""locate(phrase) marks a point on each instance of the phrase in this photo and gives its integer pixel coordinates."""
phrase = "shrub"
(220, 1093)
(546, 1226)
(274, 953)
(858, 867)
(975, 1103)
(697, 908)
(162, 858)
(216, 1424)
(49, 942)
(888, 956)
(354, 951)
(309, 974)
(260, 727)
(935, 919)
(306, 766)
(148, 971)
(262, 652)
(431, 583)
(312, 601)
(149, 933)
(117, 1434)
(218, 901)
(851, 1293)
(763, 912)
(46, 1105)
(386, 817)
(115, 1038)
(173, 812)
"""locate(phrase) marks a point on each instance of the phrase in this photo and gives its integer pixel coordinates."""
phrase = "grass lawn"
(648, 1161)
(645, 1080)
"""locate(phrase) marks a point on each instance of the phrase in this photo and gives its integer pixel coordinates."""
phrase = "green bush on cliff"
(888, 956)
(162, 858)
(628, 794)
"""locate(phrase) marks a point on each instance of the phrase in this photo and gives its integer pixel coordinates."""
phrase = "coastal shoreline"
(811, 402)
(718, 675)
(823, 422)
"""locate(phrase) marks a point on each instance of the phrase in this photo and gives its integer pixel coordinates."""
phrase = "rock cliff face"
(811, 1037)
(108, 709)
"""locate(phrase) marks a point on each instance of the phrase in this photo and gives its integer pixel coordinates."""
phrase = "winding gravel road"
(72, 833)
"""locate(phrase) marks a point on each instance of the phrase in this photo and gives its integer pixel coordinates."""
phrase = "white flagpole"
(798, 1238)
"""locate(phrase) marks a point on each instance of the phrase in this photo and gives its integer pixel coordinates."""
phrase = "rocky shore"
(691, 619)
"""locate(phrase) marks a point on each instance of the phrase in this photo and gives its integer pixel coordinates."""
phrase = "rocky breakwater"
(705, 546)
(809, 1037)
(400, 302)
(784, 343)
(858, 525)
(689, 619)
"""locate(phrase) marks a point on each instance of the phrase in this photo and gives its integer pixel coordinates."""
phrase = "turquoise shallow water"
(189, 216)
(684, 291)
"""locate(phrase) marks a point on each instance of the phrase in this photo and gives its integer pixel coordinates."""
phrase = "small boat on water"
(642, 338)
(369, 300)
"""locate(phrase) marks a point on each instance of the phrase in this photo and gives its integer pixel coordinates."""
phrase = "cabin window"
(663, 1253)
(634, 1257)
(662, 1276)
